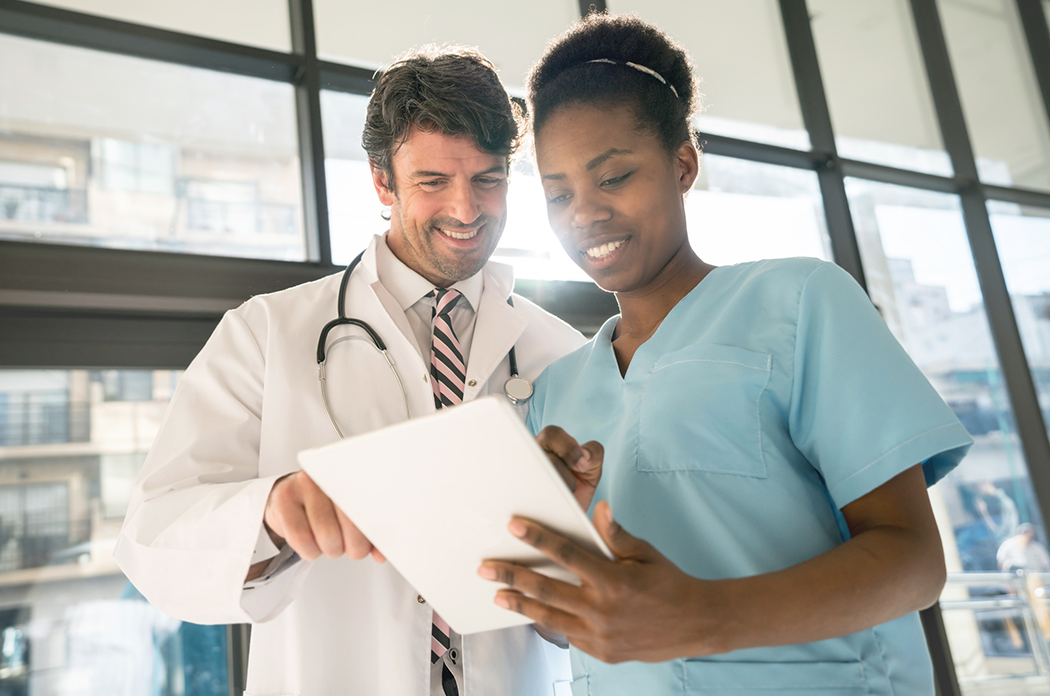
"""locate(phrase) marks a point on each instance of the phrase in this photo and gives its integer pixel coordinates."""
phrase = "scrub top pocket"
(700, 412)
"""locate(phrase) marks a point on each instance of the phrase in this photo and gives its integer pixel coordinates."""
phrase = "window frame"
(68, 306)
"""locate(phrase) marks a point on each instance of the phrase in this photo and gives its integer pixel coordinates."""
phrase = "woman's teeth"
(603, 250)
(459, 235)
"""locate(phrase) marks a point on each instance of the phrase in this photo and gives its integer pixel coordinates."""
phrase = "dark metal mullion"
(899, 177)
(347, 78)
(311, 137)
(1036, 199)
(1037, 32)
(817, 117)
(238, 638)
(726, 146)
(998, 307)
(56, 25)
(940, 651)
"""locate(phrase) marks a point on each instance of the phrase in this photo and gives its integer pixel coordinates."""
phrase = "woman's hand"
(627, 609)
(642, 607)
(580, 466)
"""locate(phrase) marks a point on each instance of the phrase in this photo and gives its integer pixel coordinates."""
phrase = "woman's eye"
(556, 199)
(616, 179)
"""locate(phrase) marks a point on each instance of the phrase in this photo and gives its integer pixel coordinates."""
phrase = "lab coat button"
(419, 598)
(472, 383)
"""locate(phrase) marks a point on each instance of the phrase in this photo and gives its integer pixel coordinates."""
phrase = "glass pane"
(743, 211)
(876, 84)
(921, 277)
(346, 31)
(71, 444)
(1022, 237)
(105, 150)
(1005, 115)
(740, 52)
(262, 23)
(355, 213)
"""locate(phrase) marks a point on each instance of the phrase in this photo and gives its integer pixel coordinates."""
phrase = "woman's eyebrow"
(596, 162)
(611, 152)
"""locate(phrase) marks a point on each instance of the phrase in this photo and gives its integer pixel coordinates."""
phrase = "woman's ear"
(687, 166)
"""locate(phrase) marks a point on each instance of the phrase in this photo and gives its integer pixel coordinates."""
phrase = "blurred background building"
(161, 162)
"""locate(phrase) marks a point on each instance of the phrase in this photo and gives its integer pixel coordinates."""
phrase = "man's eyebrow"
(596, 162)
(426, 174)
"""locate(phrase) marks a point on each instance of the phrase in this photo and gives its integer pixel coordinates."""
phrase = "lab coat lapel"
(497, 329)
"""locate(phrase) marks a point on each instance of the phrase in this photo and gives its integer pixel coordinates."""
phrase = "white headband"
(641, 68)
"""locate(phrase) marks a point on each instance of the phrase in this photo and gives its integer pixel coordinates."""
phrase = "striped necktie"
(447, 369)
(448, 375)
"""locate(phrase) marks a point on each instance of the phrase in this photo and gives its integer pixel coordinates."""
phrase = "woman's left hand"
(637, 607)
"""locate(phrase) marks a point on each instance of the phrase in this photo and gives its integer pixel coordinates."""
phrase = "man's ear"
(383, 188)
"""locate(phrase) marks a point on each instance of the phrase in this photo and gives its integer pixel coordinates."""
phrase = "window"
(511, 37)
(921, 277)
(1004, 114)
(69, 620)
(741, 55)
(1022, 238)
(876, 84)
(105, 150)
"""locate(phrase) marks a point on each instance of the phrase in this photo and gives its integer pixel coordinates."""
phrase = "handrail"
(1023, 602)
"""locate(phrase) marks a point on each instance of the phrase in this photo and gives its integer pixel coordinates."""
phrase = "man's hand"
(580, 466)
(299, 513)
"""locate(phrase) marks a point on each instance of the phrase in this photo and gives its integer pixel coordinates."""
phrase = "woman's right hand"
(580, 466)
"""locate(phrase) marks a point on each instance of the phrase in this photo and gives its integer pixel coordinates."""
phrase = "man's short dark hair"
(448, 89)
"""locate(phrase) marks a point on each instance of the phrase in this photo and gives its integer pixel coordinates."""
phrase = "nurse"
(768, 443)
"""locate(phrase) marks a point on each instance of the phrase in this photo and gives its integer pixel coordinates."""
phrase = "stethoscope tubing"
(517, 389)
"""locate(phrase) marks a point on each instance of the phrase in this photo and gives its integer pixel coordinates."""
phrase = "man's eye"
(431, 184)
(489, 181)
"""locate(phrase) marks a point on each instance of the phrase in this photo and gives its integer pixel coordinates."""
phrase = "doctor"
(439, 133)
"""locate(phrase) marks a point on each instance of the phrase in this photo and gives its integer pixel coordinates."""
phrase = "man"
(439, 133)
(1023, 552)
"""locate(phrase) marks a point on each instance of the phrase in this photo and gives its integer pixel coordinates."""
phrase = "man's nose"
(463, 203)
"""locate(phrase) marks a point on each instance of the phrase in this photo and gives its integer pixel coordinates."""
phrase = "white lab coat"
(247, 404)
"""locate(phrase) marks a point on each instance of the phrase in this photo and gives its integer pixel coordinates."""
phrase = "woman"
(767, 441)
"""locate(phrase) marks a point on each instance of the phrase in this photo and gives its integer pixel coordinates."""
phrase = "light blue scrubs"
(769, 398)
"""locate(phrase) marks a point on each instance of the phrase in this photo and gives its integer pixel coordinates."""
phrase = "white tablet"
(435, 494)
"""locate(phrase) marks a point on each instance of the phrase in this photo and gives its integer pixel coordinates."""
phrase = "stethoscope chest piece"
(518, 390)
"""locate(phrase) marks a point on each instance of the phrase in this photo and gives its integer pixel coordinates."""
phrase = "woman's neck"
(642, 310)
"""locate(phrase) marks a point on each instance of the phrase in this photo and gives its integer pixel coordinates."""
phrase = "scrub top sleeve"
(539, 393)
(861, 411)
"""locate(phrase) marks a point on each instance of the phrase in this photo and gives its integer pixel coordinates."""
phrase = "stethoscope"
(517, 389)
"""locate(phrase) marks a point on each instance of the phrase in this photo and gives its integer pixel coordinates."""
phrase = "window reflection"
(921, 277)
(1022, 238)
(106, 150)
(71, 445)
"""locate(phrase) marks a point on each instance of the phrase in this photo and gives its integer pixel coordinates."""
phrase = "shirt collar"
(408, 287)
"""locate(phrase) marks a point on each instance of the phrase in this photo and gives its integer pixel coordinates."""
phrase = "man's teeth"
(459, 235)
(603, 250)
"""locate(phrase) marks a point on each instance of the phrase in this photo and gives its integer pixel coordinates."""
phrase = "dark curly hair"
(566, 76)
(447, 89)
